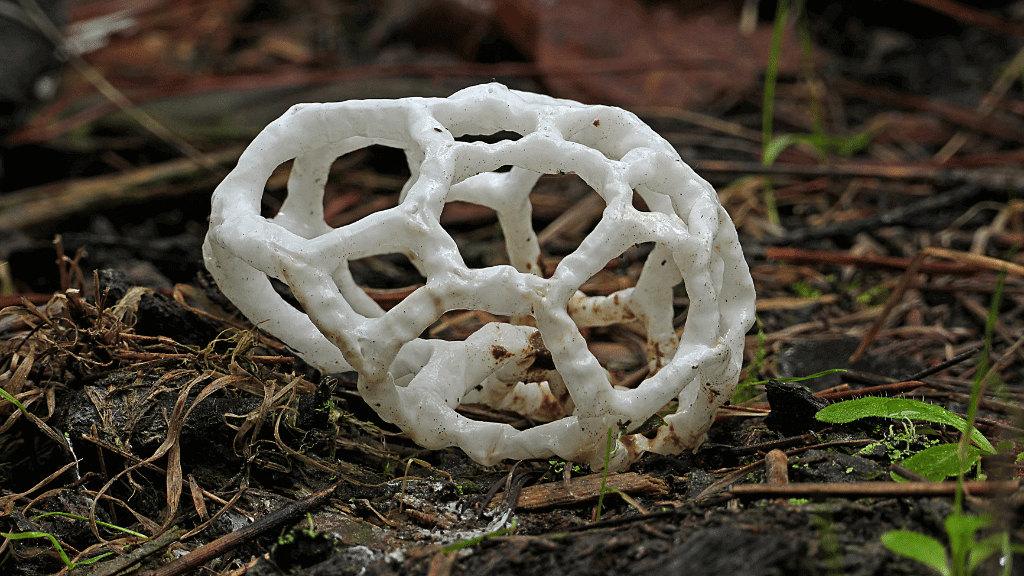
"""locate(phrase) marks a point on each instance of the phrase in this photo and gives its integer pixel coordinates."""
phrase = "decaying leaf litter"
(157, 408)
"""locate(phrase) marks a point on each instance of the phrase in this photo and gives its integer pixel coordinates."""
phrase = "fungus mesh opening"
(275, 190)
(493, 138)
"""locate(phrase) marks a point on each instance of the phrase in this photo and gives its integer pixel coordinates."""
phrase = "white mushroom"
(417, 383)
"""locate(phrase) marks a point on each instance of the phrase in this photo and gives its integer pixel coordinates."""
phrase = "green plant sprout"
(936, 462)
(7, 396)
(908, 434)
(890, 444)
(981, 375)
(872, 295)
(804, 290)
(558, 467)
(56, 544)
(823, 144)
(820, 142)
(474, 541)
(965, 552)
(802, 378)
(98, 522)
(604, 473)
(745, 390)
(829, 550)
(771, 76)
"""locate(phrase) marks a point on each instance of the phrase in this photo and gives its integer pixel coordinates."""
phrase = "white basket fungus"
(544, 372)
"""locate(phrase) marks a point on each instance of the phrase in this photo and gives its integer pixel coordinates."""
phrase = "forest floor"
(147, 427)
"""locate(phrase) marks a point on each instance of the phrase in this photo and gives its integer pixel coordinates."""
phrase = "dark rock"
(793, 409)
(145, 259)
(813, 356)
(829, 467)
(159, 315)
(352, 560)
(300, 548)
(727, 550)
(698, 481)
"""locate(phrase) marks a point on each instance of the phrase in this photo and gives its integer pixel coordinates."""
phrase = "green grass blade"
(99, 522)
(604, 475)
(771, 74)
(474, 541)
(56, 544)
(13, 400)
(802, 378)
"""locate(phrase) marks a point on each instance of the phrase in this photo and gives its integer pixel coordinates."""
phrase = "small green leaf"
(965, 525)
(939, 462)
(848, 146)
(899, 408)
(924, 549)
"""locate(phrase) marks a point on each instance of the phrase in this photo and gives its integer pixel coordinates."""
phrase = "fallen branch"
(554, 494)
(869, 489)
(224, 544)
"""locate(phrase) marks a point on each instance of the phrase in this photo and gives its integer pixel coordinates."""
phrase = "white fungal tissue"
(544, 372)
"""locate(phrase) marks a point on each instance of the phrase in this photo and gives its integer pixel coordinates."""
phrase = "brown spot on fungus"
(550, 407)
(630, 443)
(541, 356)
